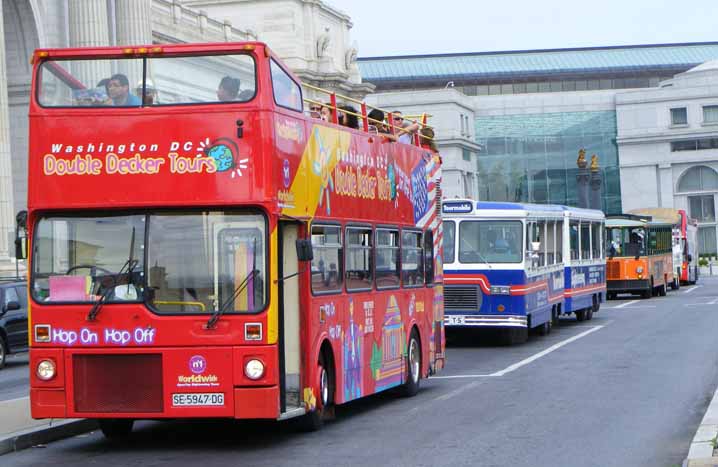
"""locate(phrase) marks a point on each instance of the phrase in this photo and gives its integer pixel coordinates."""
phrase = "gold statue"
(594, 163)
(581, 161)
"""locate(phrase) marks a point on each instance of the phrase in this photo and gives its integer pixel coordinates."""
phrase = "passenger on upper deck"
(327, 112)
(118, 88)
(348, 117)
(228, 89)
(150, 92)
(426, 139)
(376, 118)
(405, 129)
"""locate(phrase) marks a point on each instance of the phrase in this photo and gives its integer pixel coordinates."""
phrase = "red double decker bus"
(199, 247)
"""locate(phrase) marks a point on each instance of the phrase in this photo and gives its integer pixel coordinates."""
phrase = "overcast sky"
(406, 27)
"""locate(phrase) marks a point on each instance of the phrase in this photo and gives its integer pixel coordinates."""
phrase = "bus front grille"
(118, 383)
(462, 298)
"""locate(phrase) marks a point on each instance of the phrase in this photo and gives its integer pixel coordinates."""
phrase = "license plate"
(454, 320)
(197, 399)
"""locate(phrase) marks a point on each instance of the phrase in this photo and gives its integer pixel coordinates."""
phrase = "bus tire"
(662, 290)
(589, 314)
(116, 428)
(314, 420)
(413, 366)
(515, 336)
(596, 303)
(580, 315)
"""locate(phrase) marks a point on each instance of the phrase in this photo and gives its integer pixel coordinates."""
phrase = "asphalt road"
(14, 378)
(628, 388)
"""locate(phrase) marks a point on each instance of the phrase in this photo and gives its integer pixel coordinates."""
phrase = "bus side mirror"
(304, 250)
(21, 235)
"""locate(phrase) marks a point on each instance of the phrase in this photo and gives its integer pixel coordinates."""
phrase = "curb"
(701, 450)
(59, 430)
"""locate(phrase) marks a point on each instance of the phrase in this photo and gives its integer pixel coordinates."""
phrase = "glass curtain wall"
(532, 158)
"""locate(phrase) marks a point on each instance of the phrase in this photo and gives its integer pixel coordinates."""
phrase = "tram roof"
(621, 222)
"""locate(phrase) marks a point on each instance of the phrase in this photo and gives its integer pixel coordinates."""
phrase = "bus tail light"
(42, 333)
(46, 370)
(253, 331)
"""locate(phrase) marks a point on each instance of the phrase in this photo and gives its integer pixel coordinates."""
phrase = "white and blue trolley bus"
(520, 266)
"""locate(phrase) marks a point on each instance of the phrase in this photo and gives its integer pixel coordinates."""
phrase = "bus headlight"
(45, 370)
(500, 290)
(254, 369)
(639, 269)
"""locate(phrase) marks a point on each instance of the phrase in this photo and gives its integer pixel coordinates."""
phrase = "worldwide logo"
(197, 364)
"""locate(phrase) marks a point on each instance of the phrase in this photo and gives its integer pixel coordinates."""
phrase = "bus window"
(358, 258)
(636, 245)
(585, 238)
(573, 232)
(387, 258)
(596, 240)
(411, 259)
(211, 78)
(559, 241)
(206, 261)
(429, 257)
(327, 245)
(89, 83)
(287, 93)
(449, 241)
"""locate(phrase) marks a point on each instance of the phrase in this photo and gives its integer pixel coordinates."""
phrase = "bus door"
(289, 319)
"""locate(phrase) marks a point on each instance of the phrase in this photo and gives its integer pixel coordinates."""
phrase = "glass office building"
(532, 157)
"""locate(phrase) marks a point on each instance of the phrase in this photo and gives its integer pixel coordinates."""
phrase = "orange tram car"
(205, 249)
(639, 256)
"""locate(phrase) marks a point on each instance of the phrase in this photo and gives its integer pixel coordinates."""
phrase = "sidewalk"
(19, 431)
(703, 451)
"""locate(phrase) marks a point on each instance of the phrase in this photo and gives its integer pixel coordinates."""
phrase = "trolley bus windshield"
(490, 242)
(626, 241)
(195, 261)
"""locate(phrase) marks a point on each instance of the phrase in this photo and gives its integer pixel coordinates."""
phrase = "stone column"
(89, 28)
(582, 187)
(7, 217)
(133, 28)
(596, 190)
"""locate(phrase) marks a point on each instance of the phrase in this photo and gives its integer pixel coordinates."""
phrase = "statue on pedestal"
(594, 163)
(581, 161)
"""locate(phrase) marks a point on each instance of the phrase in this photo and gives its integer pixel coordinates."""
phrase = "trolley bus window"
(387, 258)
(327, 246)
(490, 242)
(412, 269)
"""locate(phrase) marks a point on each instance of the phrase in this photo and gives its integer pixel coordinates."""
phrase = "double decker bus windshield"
(186, 262)
(168, 80)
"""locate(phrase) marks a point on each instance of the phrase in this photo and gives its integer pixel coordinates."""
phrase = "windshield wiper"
(130, 264)
(238, 290)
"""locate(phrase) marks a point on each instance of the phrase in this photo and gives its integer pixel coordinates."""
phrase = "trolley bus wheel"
(116, 428)
(589, 314)
(662, 290)
(580, 315)
(413, 364)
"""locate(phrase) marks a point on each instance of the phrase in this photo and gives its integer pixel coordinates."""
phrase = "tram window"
(358, 267)
(585, 238)
(550, 242)
(652, 241)
(573, 233)
(387, 258)
(429, 257)
(449, 241)
(326, 265)
(411, 259)
(559, 241)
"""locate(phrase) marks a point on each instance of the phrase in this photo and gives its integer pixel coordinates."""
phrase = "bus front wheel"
(314, 420)
(116, 428)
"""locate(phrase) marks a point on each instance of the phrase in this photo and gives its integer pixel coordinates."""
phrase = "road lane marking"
(532, 358)
(691, 289)
(714, 301)
(622, 305)
(528, 360)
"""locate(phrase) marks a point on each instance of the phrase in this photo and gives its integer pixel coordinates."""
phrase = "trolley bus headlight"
(45, 370)
(500, 290)
(254, 369)
(639, 270)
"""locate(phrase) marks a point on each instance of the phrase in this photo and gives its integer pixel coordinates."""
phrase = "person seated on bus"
(150, 92)
(348, 116)
(118, 88)
(315, 110)
(327, 112)
(376, 118)
(404, 130)
(228, 89)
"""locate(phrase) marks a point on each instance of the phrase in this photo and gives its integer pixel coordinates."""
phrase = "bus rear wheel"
(662, 290)
(116, 428)
(580, 315)
(413, 364)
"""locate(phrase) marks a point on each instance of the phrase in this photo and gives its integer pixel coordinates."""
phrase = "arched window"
(699, 178)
